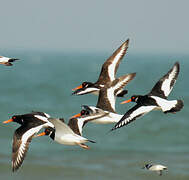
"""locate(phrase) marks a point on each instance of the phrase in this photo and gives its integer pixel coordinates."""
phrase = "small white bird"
(7, 61)
(155, 167)
(65, 134)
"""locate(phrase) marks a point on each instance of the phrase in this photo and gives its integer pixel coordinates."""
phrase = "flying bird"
(7, 61)
(107, 75)
(104, 112)
(156, 99)
(70, 134)
(31, 124)
(155, 167)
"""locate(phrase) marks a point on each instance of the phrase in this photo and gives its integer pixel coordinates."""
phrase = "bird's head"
(16, 118)
(134, 98)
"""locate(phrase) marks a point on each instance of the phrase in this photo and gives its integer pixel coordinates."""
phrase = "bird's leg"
(84, 146)
(160, 172)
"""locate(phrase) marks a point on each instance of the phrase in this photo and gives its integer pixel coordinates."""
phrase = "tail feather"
(178, 106)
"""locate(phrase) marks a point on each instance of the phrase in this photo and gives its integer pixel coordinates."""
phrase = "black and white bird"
(156, 99)
(31, 124)
(104, 112)
(155, 167)
(70, 134)
(107, 75)
(7, 61)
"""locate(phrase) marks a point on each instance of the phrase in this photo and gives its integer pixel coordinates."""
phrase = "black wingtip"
(177, 65)
(91, 141)
(13, 59)
(114, 128)
(15, 168)
(127, 41)
(122, 93)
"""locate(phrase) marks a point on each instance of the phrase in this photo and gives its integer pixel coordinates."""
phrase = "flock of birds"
(108, 88)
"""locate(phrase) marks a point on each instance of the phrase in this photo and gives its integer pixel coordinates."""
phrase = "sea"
(43, 81)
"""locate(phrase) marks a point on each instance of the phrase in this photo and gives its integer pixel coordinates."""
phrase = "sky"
(98, 25)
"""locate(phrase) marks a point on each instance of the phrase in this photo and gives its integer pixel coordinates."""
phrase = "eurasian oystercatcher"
(104, 112)
(156, 99)
(107, 75)
(30, 125)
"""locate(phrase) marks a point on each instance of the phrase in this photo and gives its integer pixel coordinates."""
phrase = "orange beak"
(127, 101)
(8, 121)
(77, 115)
(79, 87)
(41, 134)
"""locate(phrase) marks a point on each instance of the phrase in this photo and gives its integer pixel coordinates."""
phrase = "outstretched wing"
(119, 83)
(21, 140)
(111, 65)
(132, 114)
(107, 95)
(60, 126)
(164, 86)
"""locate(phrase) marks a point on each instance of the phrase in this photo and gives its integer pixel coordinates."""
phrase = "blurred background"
(61, 44)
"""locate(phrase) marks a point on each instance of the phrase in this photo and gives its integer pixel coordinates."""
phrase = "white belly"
(157, 167)
(70, 139)
(165, 104)
(111, 118)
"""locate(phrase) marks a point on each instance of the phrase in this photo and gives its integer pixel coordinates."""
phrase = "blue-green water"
(43, 81)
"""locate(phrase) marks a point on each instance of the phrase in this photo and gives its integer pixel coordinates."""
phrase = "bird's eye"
(83, 112)
(84, 84)
(13, 117)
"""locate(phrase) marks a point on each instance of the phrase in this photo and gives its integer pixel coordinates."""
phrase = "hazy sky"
(95, 25)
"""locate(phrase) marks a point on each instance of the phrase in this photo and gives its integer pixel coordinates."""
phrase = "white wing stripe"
(111, 68)
(111, 97)
(140, 111)
(166, 85)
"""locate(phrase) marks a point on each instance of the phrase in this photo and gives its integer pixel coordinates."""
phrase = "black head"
(147, 166)
(49, 131)
(84, 112)
(83, 88)
(87, 84)
(16, 118)
(135, 98)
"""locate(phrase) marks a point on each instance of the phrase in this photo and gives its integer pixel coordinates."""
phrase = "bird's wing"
(132, 114)
(21, 140)
(119, 83)
(111, 65)
(107, 95)
(164, 86)
(60, 126)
